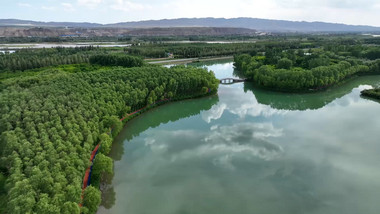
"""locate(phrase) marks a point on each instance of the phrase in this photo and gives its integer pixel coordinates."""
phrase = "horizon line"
(147, 20)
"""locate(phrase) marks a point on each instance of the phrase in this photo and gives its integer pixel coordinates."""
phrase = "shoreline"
(164, 61)
(132, 116)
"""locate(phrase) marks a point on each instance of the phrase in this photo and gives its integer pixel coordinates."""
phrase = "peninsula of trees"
(52, 118)
(57, 104)
(293, 68)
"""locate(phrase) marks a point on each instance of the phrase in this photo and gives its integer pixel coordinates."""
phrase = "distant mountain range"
(110, 31)
(249, 23)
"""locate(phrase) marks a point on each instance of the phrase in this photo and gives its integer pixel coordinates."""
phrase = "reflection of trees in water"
(235, 73)
(108, 197)
(304, 101)
(108, 192)
(239, 73)
(168, 113)
(370, 98)
(209, 63)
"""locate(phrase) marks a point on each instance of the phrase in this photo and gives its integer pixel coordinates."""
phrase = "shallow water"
(248, 150)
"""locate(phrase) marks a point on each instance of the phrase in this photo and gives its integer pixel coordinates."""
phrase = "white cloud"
(226, 143)
(214, 113)
(364, 12)
(21, 4)
(127, 6)
(67, 7)
(48, 8)
(149, 141)
(242, 107)
(338, 11)
(90, 3)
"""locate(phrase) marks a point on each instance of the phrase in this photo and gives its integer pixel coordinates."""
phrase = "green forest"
(354, 49)
(25, 59)
(288, 69)
(52, 118)
(57, 104)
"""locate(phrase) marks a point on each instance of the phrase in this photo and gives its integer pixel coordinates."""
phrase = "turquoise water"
(248, 150)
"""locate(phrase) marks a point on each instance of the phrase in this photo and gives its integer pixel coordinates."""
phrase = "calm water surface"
(248, 150)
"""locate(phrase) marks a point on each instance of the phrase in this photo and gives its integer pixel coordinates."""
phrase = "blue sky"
(361, 12)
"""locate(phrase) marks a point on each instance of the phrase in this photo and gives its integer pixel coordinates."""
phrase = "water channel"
(249, 150)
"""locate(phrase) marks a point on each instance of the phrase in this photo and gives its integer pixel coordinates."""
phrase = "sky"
(357, 12)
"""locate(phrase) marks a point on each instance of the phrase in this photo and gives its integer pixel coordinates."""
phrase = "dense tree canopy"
(25, 59)
(51, 121)
(116, 60)
(52, 118)
(297, 70)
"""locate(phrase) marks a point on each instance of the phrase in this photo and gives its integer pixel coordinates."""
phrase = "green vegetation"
(91, 200)
(53, 118)
(57, 104)
(312, 69)
(25, 59)
(189, 50)
(372, 93)
(342, 47)
(116, 60)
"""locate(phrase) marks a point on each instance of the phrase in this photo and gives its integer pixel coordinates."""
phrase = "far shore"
(184, 60)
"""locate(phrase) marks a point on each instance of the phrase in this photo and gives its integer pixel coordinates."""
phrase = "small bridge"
(231, 80)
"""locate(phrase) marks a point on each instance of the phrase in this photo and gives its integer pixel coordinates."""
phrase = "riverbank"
(185, 60)
(168, 156)
(124, 121)
(310, 91)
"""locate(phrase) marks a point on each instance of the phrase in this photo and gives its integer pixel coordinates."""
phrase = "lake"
(248, 150)
(7, 51)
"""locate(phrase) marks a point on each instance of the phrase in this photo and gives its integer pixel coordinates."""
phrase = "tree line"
(51, 121)
(25, 59)
(335, 48)
(190, 50)
(116, 60)
(300, 70)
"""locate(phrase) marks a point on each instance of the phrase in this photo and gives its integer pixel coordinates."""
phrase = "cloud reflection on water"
(245, 157)
(239, 104)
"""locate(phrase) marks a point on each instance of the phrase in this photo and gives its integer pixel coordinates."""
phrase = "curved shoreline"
(125, 119)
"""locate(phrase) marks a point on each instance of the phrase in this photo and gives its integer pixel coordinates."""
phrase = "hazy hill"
(251, 23)
(26, 31)
(190, 31)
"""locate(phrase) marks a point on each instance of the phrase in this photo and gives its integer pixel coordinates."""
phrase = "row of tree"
(274, 49)
(51, 122)
(189, 50)
(117, 60)
(25, 59)
(321, 71)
